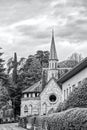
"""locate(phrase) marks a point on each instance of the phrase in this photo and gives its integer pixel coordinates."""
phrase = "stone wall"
(50, 89)
(32, 104)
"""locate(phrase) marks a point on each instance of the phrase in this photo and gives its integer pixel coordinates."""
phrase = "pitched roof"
(53, 54)
(82, 65)
(37, 87)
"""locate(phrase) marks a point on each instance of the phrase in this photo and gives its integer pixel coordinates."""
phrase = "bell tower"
(53, 60)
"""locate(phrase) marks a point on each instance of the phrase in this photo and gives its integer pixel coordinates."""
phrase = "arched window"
(52, 65)
(26, 109)
(44, 108)
(55, 65)
(69, 89)
(67, 92)
(64, 94)
(30, 109)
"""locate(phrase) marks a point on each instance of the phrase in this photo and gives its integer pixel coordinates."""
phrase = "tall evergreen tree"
(14, 74)
(2, 69)
(4, 95)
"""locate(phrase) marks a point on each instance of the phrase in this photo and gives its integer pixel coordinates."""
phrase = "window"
(69, 89)
(25, 109)
(52, 98)
(30, 108)
(44, 108)
(64, 94)
(55, 65)
(52, 65)
(29, 95)
(36, 94)
(33, 94)
(67, 92)
(25, 95)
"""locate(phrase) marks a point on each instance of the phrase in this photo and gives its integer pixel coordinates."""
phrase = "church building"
(39, 100)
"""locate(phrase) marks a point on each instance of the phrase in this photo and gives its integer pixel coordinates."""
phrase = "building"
(42, 100)
(73, 78)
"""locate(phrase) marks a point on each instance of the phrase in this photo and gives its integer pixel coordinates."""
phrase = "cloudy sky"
(26, 25)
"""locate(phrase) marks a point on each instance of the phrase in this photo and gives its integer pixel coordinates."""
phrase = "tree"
(32, 71)
(76, 57)
(14, 74)
(66, 64)
(15, 89)
(4, 95)
(2, 69)
(43, 57)
(78, 97)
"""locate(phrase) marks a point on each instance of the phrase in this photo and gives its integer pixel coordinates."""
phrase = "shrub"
(78, 97)
(73, 119)
(61, 107)
(23, 122)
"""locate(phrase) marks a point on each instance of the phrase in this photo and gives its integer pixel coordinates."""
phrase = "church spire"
(53, 61)
(53, 54)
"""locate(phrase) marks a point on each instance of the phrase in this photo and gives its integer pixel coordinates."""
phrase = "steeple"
(53, 54)
(53, 60)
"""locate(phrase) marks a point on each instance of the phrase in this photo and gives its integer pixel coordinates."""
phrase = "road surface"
(10, 126)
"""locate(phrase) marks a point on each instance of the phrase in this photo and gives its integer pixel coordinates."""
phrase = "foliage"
(60, 107)
(72, 119)
(76, 57)
(23, 122)
(32, 72)
(14, 89)
(32, 69)
(68, 63)
(78, 97)
(4, 95)
(43, 57)
(14, 74)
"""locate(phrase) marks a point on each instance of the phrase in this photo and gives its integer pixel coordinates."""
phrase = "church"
(39, 100)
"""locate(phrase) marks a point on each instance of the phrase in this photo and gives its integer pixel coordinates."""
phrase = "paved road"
(13, 126)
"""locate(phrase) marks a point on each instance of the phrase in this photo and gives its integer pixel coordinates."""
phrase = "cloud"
(25, 26)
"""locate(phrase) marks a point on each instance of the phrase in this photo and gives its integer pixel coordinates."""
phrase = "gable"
(37, 87)
(51, 87)
(50, 97)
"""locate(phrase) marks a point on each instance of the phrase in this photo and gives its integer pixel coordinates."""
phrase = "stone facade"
(42, 105)
(30, 106)
(47, 104)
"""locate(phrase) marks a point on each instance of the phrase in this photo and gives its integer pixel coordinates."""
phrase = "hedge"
(72, 119)
(23, 122)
